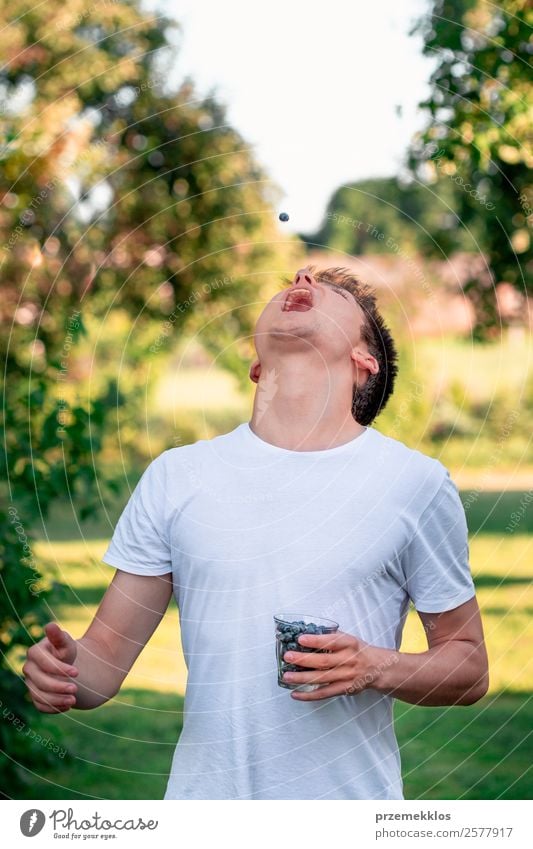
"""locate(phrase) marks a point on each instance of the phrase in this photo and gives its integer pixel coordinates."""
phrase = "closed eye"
(339, 291)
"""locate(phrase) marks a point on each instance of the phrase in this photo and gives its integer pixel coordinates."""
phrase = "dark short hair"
(368, 401)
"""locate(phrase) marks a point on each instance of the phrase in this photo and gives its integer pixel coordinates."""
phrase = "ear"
(365, 361)
(255, 371)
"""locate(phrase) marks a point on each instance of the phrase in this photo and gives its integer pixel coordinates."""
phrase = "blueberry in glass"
(288, 628)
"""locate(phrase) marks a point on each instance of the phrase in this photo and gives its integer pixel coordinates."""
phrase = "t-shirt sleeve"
(435, 563)
(140, 542)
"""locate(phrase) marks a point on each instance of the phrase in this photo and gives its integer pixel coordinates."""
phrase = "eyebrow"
(339, 288)
(287, 282)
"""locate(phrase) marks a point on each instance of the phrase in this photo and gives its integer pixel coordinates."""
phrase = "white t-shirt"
(248, 530)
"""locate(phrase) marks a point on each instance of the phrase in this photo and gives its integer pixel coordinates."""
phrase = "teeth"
(294, 293)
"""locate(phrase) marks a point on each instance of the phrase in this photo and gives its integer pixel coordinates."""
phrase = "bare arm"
(61, 672)
(454, 670)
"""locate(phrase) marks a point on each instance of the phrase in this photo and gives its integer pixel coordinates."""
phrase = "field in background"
(124, 749)
(467, 405)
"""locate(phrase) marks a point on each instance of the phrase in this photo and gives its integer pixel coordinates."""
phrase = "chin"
(293, 333)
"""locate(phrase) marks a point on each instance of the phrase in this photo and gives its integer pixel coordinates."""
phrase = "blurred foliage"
(124, 203)
(469, 406)
(480, 112)
(408, 411)
(383, 215)
(468, 184)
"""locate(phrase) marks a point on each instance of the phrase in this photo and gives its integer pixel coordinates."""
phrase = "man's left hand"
(350, 665)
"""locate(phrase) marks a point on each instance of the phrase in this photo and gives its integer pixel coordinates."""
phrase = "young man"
(305, 508)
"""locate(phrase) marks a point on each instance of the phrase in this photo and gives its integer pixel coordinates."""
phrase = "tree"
(365, 216)
(479, 135)
(122, 202)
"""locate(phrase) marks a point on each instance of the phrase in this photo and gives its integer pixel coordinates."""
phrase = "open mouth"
(299, 300)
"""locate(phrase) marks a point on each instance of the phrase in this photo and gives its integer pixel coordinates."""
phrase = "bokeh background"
(144, 160)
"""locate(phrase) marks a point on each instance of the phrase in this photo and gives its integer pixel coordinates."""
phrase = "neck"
(304, 408)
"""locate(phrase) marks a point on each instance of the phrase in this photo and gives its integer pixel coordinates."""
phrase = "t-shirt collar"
(346, 447)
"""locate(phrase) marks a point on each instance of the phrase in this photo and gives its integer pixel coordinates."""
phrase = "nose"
(303, 278)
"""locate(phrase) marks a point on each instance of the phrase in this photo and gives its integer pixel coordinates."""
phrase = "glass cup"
(288, 627)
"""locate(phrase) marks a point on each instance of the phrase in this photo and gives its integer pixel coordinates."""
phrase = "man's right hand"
(127, 616)
(48, 669)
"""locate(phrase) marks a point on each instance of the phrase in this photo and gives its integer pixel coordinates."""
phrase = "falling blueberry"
(283, 216)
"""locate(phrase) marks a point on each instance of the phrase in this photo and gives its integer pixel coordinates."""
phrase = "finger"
(58, 639)
(326, 692)
(355, 686)
(48, 662)
(332, 642)
(50, 700)
(342, 674)
(55, 635)
(46, 682)
(44, 708)
(315, 660)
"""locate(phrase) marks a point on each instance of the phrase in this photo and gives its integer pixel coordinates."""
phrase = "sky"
(314, 88)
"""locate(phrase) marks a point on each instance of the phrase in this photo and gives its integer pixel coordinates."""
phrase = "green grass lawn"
(482, 751)
(123, 749)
